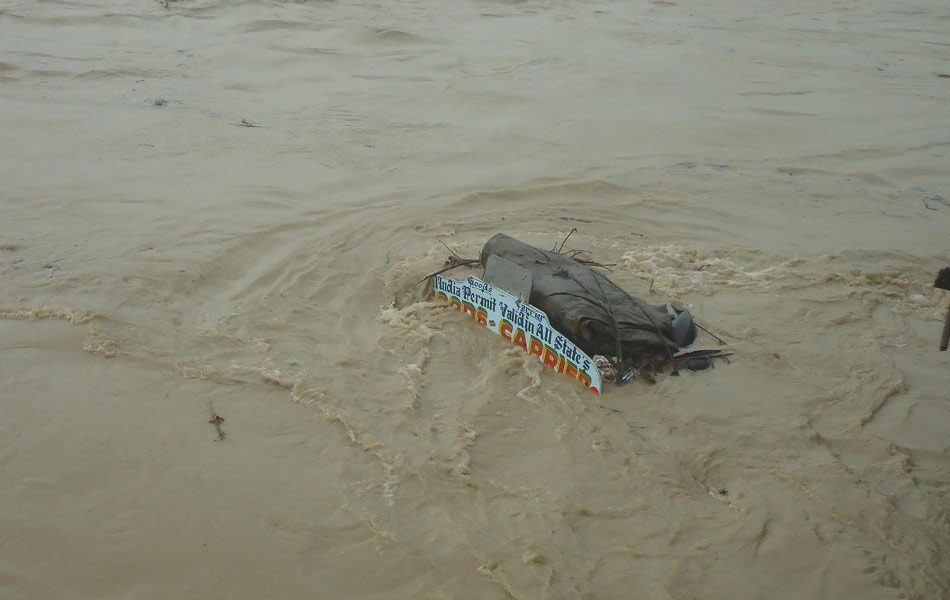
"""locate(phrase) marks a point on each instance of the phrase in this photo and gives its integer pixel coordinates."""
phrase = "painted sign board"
(520, 323)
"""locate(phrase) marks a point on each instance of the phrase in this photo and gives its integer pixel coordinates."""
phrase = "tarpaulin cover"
(588, 308)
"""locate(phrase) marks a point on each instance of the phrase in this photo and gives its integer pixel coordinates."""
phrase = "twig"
(558, 250)
(718, 339)
(456, 263)
(246, 123)
(217, 419)
(573, 255)
(454, 253)
(587, 262)
(593, 263)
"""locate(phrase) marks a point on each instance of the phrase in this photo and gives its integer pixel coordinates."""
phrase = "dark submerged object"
(943, 282)
(593, 312)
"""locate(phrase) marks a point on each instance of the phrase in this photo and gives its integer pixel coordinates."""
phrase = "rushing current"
(225, 207)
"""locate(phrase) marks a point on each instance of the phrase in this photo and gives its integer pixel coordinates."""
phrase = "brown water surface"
(779, 167)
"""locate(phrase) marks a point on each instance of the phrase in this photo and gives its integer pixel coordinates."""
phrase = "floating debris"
(574, 319)
(216, 420)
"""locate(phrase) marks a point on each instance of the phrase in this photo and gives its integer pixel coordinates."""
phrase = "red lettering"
(482, 318)
(519, 339)
(570, 370)
(505, 330)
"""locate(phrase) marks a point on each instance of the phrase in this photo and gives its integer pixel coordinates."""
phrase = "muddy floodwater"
(227, 206)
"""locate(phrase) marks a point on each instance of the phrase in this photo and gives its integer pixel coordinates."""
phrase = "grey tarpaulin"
(590, 310)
